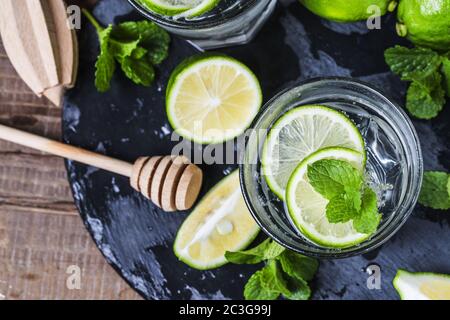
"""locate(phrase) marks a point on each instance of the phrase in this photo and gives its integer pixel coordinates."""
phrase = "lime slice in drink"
(182, 8)
(212, 98)
(307, 208)
(167, 7)
(300, 132)
(422, 285)
(220, 223)
(199, 9)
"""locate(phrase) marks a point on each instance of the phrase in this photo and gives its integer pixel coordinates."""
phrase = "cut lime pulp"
(220, 223)
(422, 285)
(212, 98)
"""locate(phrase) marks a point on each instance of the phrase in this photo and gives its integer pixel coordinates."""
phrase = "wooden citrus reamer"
(40, 44)
(171, 182)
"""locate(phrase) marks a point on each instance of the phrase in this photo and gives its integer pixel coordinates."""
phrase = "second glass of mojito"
(209, 24)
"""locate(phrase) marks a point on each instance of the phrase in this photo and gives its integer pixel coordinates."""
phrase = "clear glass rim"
(193, 24)
(392, 227)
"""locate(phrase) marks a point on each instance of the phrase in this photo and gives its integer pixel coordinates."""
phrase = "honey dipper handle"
(66, 151)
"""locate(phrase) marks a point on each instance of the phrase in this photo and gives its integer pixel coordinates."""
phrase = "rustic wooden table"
(41, 234)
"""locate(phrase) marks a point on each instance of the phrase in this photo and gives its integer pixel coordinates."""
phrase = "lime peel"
(347, 10)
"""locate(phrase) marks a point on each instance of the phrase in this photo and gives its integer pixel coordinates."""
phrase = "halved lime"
(307, 207)
(299, 133)
(422, 285)
(220, 223)
(212, 98)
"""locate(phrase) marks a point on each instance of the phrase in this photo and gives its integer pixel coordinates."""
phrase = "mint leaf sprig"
(435, 191)
(136, 46)
(429, 73)
(349, 199)
(285, 273)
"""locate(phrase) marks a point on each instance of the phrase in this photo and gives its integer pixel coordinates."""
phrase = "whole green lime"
(425, 22)
(348, 10)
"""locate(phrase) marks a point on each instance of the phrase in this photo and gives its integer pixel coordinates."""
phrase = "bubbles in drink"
(384, 168)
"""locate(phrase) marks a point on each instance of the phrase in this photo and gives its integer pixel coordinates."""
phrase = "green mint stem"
(94, 22)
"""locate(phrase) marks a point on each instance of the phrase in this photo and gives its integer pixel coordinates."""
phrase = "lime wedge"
(212, 98)
(220, 223)
(307, 208)
(422, 286)
(299, 133)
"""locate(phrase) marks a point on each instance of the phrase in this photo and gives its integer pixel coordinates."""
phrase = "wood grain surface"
(41, 234)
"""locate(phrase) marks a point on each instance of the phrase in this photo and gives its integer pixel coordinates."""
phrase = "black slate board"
(129, 121)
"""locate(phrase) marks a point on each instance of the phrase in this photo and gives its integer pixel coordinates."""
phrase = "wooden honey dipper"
(171, 182)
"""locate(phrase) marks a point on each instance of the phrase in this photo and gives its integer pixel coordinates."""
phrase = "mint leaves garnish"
(368, 219)
(445, 69)
(298, 266)
(286, 273)
(425, 103)
(412, 64)
(136, 46)
(349, 199)
(426, 70)
(266, 284)
(333, 177)
(265, 251)
(435, 191)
